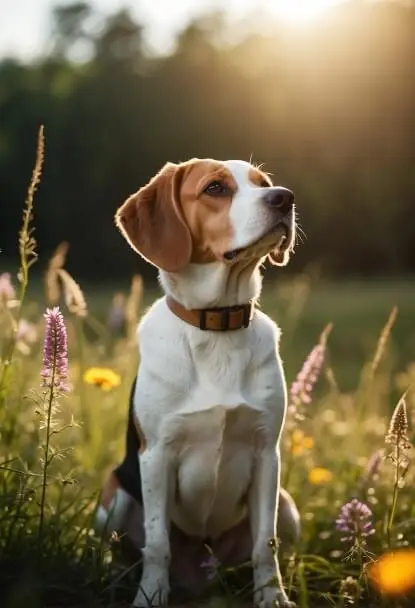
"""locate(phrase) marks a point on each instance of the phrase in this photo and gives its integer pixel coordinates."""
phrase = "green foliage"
(329, 110)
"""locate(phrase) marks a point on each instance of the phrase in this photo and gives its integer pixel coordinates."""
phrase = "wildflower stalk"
(394, 501)
(28, 257)
(382, 342)
(54, 376)
(301, 391)
(132, 306)
(365, 393)
(46, 447)
(86, 416)
(397, 436)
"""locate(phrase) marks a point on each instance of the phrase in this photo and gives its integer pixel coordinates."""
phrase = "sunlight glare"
(301, 11)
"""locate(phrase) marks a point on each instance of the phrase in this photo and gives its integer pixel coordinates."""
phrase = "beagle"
(202, 465)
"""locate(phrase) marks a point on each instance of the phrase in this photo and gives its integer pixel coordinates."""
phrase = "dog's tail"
(112, 510)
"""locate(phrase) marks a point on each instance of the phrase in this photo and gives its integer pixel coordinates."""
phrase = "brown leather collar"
(214, 319)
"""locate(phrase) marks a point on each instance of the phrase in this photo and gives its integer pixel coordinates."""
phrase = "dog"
(202, 464)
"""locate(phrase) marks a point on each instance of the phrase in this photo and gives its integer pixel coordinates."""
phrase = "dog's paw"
(153, 590)
(282, 601)
(271, 597)
(268, 590)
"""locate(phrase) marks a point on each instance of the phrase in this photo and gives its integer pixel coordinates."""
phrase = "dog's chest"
(208, 401)
(223, 362)
(186, 370)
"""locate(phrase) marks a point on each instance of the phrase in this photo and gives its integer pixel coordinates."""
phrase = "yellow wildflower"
(319, 475)
(300, 442)
(103, 377)
(394, 573)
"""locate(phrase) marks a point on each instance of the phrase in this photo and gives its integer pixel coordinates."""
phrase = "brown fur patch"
(207, 216)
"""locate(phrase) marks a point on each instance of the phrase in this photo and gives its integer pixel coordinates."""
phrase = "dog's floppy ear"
(152, 222)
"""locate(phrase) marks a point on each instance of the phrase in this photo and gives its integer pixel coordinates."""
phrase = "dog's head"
(202, 211)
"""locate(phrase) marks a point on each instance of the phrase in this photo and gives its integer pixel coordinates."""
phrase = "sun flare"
(301, 11)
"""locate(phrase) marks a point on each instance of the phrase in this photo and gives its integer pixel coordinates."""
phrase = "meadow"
(349, 354)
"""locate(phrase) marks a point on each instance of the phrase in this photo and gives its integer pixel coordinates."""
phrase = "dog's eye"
(217, 188)
(264, 184)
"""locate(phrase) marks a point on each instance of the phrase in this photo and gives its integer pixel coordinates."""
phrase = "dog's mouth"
(278, 237)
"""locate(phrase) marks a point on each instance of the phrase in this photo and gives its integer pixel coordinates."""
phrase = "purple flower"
(211, 565)
(301, 388)
(355, 520)
(55, 351)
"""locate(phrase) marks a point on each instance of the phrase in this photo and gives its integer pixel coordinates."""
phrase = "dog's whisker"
(301, 231)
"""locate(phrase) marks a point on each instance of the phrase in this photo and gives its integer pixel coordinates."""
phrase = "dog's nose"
(280, 198)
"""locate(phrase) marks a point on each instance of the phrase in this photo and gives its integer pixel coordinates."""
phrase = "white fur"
(249, 216)
(211, 406)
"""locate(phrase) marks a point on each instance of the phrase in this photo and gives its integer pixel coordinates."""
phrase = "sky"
(25, 24)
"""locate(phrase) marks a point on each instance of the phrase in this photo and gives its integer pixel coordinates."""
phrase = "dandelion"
(103, 377)
(319, 475)
(55, 351)
(300, 442)
(355, 521)
(394, 573)
(211, 565)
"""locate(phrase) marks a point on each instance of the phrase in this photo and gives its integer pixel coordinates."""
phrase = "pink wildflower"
(55, 351)
(301, 388)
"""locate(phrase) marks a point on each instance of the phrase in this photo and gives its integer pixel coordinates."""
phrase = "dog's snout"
(280, 198)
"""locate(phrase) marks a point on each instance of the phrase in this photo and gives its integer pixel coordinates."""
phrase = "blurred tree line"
(329, 109)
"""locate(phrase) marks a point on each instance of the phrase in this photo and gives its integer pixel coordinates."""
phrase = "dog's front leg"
(263, 513)
(156, 478)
